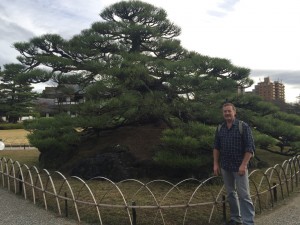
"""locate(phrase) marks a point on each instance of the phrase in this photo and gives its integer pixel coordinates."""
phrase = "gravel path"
(15, 210)
(286, 212)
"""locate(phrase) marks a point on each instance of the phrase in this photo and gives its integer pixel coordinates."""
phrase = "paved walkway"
(286, 212)
(15, 210)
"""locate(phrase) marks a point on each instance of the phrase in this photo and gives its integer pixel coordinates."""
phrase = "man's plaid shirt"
(232, 145)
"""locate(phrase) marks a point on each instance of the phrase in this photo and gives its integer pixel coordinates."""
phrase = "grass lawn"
(14, 137)
(28, 157)
(271, 158)
(18, 137)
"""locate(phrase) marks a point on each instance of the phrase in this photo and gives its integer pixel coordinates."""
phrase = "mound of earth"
(125, 152)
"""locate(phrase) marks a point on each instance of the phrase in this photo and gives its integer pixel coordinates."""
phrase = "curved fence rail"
(102, 201)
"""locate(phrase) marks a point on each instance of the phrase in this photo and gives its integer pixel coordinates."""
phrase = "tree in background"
(16, 93)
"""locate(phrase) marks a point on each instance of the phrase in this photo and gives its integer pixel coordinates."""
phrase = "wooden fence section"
(102, 201)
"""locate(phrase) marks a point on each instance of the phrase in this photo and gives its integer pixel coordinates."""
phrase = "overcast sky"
(262, 35)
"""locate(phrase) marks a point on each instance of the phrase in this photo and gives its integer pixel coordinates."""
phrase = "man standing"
(232, 151)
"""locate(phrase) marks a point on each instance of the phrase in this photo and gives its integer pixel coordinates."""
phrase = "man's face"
(228, 113)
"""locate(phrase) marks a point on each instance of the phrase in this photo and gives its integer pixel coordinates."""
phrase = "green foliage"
(291, 118)
(266, 108)
(55, 138)
(178, 140)
(264, 141)
(294, 109)
(56, 133)
(295, 147)
(181, 161)
(277, 128)
(133, 70)
(190, 139)
(247, 101)
(16, 93)
(187, 147)
(11, 126)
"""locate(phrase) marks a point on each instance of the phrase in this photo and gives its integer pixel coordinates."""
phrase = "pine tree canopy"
(132, 67)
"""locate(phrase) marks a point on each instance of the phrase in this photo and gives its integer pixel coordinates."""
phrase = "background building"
(59, 99)
(270, 91)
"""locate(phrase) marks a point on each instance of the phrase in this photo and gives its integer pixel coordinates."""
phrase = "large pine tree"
(132, 67)
(133, 70)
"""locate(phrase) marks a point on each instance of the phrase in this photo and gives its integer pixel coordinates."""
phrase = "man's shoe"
(233, 222)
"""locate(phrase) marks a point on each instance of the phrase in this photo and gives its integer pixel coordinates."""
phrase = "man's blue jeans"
(238, 196)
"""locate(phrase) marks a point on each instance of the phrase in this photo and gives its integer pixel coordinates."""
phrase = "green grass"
(18, 137)
(271, 158)
(28, 157)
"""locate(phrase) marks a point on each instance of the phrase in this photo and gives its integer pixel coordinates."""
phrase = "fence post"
(66, 205)
(133, 213)
(224, 208)
(20, 184)
(275, 192)
(296, 179)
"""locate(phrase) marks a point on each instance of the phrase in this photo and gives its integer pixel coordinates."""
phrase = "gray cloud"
(21, 20)
(12, 31)
(290, 77)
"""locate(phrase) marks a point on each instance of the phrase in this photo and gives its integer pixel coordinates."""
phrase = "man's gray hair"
(229, 104)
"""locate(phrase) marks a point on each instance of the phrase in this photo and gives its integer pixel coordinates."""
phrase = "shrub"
(11, 126)
(264, 141)
(180, 161)
(187, 147)
(55, 138)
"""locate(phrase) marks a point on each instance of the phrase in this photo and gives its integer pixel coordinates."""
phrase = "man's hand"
(244, 166)
(216, 169)
(216, 155)
(242, 169)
